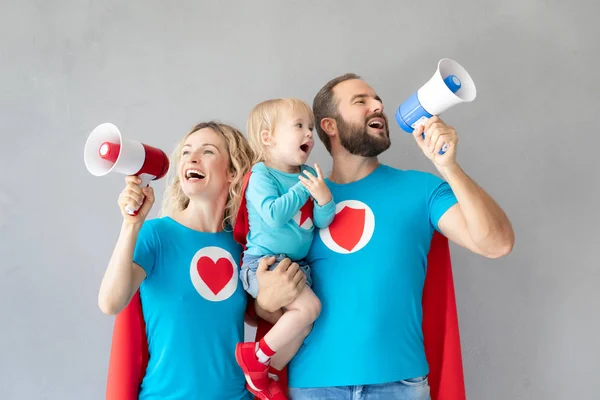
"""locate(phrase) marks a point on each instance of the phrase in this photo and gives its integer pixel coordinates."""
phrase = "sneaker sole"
(260, 395)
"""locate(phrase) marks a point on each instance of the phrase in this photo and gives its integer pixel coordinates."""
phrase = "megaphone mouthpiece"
(453, 83)
(109, 151)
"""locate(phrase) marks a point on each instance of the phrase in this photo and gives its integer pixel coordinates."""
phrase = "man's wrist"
(260, 301)
(449, 171)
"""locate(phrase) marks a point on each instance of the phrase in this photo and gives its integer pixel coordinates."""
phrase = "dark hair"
(325, 106)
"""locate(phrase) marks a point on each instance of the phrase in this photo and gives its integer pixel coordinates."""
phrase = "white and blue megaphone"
(451, 84)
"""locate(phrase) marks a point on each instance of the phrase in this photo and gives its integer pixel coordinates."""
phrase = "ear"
(329, 126)
(231, 176)
(267, 138)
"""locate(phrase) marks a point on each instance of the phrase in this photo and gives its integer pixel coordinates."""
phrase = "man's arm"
(476, 222)
(279, 287)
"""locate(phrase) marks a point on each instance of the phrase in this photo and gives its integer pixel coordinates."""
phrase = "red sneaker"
(256, 373)
(275, 391)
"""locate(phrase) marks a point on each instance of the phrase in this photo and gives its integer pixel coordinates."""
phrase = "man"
(369, 266)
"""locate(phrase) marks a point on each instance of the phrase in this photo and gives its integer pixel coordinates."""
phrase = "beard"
(356, 140)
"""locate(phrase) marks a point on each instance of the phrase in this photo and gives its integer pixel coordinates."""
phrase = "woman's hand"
(133, 196)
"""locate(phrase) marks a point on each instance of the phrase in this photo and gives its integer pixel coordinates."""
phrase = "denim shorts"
(408, 389)
(250, 265)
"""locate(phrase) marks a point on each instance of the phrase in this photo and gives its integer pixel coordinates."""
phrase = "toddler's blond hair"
(265, 116)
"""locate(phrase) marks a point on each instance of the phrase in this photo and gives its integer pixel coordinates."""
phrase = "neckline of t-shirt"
(364, 178)
(187, 228)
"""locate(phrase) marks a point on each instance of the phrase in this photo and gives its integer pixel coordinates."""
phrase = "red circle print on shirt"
(214, 273)
(351, 229)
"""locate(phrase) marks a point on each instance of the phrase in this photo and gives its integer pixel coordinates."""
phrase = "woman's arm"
(123, 277)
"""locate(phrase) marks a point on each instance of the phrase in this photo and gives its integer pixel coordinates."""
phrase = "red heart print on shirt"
(215, 274)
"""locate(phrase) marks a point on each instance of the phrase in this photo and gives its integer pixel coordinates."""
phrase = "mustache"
(377, 115)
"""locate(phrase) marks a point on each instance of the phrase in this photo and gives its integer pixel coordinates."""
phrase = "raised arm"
(274, 209)
(123, 277)
(324, 210)
(477, 222)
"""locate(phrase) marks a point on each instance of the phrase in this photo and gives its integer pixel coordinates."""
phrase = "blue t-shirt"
(368, 270)
(194, 311)
(281, 214)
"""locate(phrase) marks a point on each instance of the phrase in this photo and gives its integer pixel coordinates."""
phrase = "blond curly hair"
(240, 157)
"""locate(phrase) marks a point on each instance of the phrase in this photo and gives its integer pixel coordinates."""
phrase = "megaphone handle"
(444, 147)
(146, 179)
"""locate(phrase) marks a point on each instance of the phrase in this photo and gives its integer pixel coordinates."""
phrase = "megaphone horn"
(107, 151)
(450, 84)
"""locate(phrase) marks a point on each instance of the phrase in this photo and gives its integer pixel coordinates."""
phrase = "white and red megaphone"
(106, 151)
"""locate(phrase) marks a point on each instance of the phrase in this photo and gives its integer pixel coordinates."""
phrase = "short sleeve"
(146, 248)
(440, 199)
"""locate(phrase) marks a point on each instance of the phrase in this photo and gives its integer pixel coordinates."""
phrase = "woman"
(186, 266)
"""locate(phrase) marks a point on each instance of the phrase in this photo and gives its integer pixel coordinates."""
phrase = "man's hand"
(279, 287)
(437, 133)
(316, 186)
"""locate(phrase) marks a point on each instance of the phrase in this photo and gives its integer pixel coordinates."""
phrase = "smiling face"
(361, 123)
(204, 165)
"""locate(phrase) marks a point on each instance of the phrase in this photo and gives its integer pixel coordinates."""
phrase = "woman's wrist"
(131, 227)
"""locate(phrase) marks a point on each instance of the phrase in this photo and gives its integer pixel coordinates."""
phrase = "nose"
(194, 157)
(309, 133)
(377, 106)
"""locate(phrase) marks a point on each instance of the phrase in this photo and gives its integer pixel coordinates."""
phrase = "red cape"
(129, 352)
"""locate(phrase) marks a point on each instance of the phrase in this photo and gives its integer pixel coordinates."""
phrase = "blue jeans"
(408, 389)
(250, 265)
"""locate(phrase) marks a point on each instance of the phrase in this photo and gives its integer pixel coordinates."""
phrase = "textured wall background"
(529, 321)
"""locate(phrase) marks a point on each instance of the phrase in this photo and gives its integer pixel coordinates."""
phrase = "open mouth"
(376, 123)
(193, 175)
(305, 147)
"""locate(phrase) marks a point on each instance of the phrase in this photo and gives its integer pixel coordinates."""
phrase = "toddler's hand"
(316, 186)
